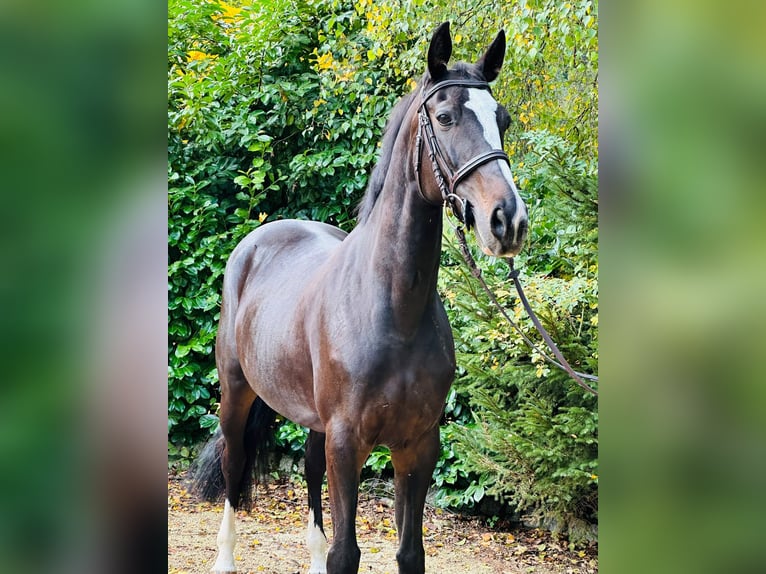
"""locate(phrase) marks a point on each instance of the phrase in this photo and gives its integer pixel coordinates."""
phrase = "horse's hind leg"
(413, 467)
(236, 400)
(316, 465)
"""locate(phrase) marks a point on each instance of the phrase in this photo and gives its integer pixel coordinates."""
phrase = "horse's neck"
(404, 233)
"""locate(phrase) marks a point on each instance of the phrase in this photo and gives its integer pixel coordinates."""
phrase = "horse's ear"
(492, 60)
(439, 52)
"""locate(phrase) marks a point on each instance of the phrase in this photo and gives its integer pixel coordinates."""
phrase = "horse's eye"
(444, 119)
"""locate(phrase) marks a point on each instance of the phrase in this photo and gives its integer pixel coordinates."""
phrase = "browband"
(449, 83)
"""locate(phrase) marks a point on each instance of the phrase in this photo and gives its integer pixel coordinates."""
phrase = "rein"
(450, 198)
(514, 274)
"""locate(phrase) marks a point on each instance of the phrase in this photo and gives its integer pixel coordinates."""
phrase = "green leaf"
(208, 421)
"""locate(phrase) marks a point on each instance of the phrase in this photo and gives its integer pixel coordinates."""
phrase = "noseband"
(448, 185)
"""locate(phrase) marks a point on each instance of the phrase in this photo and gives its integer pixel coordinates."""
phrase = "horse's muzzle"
(504, 234)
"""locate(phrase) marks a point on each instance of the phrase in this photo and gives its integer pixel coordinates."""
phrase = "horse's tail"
(207, 473)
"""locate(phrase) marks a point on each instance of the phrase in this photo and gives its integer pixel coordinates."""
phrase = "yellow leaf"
(193, 55)
(325, 61)
(229, 11)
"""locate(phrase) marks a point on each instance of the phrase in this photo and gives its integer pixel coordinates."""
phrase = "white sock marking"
(481, 103)
(317, 545)
(227, 537)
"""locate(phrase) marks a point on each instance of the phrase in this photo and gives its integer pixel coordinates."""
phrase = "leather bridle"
(448, 185)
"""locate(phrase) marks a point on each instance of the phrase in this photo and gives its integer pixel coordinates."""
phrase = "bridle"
(448, 185)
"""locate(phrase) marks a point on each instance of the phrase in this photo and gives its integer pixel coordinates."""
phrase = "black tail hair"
(207, 474)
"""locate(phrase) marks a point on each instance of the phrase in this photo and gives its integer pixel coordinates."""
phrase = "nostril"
(498, 223)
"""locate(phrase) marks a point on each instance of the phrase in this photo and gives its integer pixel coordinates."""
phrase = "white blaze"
(481, 103)
(317, 544)
(227, 537)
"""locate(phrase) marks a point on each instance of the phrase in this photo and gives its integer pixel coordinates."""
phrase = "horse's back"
(287, 235)
(276, 251)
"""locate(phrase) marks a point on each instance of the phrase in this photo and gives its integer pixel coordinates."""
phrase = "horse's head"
(464, 128)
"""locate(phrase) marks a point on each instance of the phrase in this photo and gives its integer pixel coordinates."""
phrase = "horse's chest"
(394, 389)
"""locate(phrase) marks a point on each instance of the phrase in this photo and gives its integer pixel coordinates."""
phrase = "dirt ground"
(271, 538)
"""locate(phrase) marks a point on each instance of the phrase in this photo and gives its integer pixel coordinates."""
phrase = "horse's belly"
(277, 371)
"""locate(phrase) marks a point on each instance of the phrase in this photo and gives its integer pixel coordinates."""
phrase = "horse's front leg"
(413, 468)
(345, 457)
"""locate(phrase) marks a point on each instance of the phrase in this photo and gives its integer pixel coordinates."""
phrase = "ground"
(271, 538)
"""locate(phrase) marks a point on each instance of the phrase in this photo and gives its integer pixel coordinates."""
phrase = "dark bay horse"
(345, 334)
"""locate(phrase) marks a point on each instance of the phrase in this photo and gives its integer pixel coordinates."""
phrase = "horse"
(345, 334)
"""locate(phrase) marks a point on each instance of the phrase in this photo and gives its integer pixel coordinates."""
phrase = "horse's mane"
(378, 176)
(391, 132)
